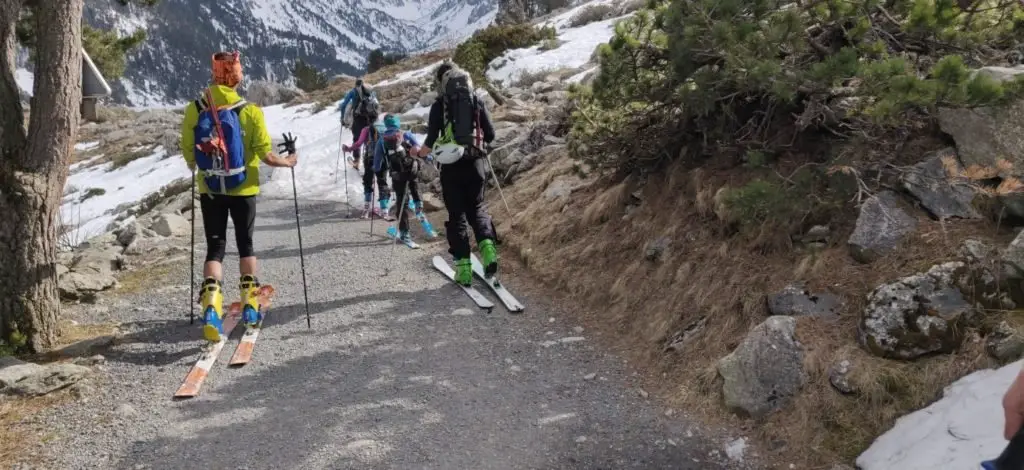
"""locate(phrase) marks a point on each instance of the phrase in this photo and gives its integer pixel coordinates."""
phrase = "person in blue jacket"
(365, 109)
(397, 151)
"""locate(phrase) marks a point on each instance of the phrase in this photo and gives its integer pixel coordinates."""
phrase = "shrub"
(549, 44)
(592, 13)
(487, 44)
(526, 79)
(713, 77)
(378, 59)
(307, 77)
(92, 192)
(124, 158)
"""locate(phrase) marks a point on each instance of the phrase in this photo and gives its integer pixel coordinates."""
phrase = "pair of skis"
(243, 352)
(511, 303)
(422, 217)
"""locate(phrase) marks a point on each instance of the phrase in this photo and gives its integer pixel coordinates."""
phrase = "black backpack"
(366, 103)
(396, 150)
(460, 107)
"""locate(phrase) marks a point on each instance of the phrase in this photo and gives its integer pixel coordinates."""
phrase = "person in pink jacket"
(370, 134)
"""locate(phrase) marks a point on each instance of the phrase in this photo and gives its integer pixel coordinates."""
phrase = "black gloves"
(289, 143)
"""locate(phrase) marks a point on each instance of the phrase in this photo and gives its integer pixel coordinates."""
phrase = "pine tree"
(307, 77)
(107, 49)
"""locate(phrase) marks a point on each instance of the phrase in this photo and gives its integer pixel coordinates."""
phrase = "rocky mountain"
(334, 35)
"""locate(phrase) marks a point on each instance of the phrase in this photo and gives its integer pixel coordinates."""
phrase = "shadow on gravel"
(411, 385)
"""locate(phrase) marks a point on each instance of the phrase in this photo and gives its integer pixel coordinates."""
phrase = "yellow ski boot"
(249, 288)
(212, 300)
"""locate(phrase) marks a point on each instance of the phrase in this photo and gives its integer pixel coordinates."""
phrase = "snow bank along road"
(399, 372)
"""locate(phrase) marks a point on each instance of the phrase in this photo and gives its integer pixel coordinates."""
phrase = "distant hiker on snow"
(365, 110)
(226, 138)
(456, 121)
(396, 152)
(369, 136)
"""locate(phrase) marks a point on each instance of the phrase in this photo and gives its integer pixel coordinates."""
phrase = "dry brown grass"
(21, 438)
(638, 304)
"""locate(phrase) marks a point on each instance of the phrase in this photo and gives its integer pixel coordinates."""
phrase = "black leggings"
(358, 123)
(383, 192)
(216, 208)
(401, 181)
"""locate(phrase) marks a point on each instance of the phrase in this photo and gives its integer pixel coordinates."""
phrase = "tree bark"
(34, 168)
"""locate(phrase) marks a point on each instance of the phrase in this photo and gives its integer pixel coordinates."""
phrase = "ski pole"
(302, 259)
(348, 203)
(401, 210)
(341, 153)
(496, 183)
(192, 270)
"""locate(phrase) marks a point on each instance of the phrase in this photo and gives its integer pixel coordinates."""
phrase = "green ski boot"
(489, 257)
(464, 272)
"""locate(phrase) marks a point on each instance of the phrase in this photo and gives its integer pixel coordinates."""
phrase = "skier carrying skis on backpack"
(226, 138)
(457, 119)
(368, 137)
(397, 151)
(365, 109)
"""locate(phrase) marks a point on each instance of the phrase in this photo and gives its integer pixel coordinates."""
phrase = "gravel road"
(397, 372)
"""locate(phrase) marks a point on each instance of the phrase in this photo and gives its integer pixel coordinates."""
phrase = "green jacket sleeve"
(256, 129)
(188, 143)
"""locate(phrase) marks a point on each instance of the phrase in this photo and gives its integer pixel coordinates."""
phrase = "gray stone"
(766, 370)
(98, 261)
(34, 379)
(1005, 343)
(796, 300)
(505, 135)
(685, 336)
(939, 192)
(542, 87)
(560, 188)
(128, 233)
(917, 315)
(881, 226)
(427, 98)
(519, 115)
(83, 287)
(983, 135)
(431, 202)
(656, 249)
(838, 376)
(171, 225)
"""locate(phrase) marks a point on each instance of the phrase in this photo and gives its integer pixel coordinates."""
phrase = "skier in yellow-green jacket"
(223, 140)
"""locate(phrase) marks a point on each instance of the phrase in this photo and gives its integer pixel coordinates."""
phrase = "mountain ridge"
(170, 67)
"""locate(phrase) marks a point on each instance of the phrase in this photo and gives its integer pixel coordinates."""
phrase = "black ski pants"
(402, 182)
(358, 124)
(383, 192)
(462, 188)
(216, 209)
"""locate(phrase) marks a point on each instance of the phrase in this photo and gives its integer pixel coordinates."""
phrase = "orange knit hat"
(227, 68)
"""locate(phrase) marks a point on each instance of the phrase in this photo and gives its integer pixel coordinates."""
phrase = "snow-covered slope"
(334, 35)
(954, 433)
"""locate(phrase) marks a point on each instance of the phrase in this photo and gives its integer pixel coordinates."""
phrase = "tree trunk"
(34, 168)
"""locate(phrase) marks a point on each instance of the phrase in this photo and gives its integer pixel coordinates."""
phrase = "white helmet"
(448, 153)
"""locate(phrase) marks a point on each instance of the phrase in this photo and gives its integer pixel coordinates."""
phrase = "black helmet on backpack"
(359, 82)
(441, 70)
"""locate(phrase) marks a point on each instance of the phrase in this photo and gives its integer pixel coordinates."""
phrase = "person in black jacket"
(463, 169)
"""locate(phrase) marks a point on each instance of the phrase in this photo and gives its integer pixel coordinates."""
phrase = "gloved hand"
(346, 148)
(346, 121)
(288, 146)
(488, 147)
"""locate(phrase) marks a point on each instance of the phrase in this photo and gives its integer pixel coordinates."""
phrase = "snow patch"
(410, 75)
(110, 188)
(84, 147)
(25, 80)
(577, 45)
(957, 432)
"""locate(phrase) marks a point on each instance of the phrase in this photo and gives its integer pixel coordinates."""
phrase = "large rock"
(23, 378)
(944, 197)
(505, 135)
(83, 287)
(881, 226)
(431, 202)
(983, 135)
(101, 260)
(1005, 343)
(917, 315)
(765, 370)
(485, 97)
(796, 300)
(171, 225)
(267, 93)
(427, 98)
